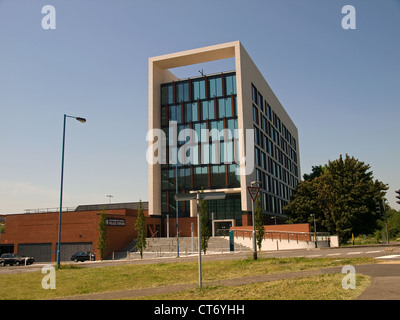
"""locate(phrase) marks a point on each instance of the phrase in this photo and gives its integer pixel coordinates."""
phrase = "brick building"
(36, 234)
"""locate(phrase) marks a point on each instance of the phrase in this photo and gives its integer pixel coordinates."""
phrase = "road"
(389, 253)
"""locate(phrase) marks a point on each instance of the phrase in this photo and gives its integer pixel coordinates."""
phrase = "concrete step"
(215, 244)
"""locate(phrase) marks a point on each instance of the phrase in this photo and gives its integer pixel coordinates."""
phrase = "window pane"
(163, 116)
(205, 153)
(164, 180)
(254, 93)
(213, 89)
(221, 108)
(218, 83)
(170, 94)
(179, 113)
(194, 112)
(234, 84)
(188, 112)
(220, 128)
(186, 91)
(228, 107)
(255, 114)
(196, 90)
(179, 92)
(211, 113)
(204, 110)
(172, 113)
(164, 95)
(202, 89)
(234, 180)
(230, 85)
(201, 177)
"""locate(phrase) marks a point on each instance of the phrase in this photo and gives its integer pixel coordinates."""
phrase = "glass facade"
(209, 104)
(275, 156)
(205, 103)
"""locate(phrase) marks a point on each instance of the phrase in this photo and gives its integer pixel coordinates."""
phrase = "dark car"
(83, 256)
(15, 259)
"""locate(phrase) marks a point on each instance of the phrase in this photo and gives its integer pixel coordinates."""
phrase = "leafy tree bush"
(204, 222)
(342, 195)
(259, 222)
(140, 227)
(102, 240)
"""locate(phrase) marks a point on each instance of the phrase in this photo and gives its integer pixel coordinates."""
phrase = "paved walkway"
(385, 283)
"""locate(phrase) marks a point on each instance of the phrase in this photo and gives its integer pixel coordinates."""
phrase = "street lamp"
(254, 225)
(200, 196)
(315, 230)
(82, 120)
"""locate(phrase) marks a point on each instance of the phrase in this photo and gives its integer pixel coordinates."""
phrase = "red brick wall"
(76, 226)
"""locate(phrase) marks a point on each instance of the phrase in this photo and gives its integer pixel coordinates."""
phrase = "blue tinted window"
(204, 110)
(202, 85)
(179, 113)
(201, 177)
(234, 179)
(230, 84)
(213, 88)
(182, 92)
(186, 91)
(194, 112)
(172, 113)
(228, 107)
(221, 108)
(188, 112)
(211, 111)
(254, 93)
(179, 92)
(218, 84)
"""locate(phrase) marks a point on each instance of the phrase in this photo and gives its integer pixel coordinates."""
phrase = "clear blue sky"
(340, 87)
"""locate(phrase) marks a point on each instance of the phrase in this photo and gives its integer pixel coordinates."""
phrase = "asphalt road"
(389, 253)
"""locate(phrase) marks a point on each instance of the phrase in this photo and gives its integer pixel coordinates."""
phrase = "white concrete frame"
(246, 74)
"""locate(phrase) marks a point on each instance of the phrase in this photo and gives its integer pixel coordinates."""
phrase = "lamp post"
(109, 196)
(315, 229)
(177, 208)
(82, 120)
(253, 221)
(200, 196)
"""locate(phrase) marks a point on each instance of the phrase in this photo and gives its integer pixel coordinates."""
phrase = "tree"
(342, 197)
(204, 222)
(316, 171)
(259, 222)
(102, 240)
(140, 227)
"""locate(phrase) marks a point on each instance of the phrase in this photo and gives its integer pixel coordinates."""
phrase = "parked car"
(15, 259)
(83, 256)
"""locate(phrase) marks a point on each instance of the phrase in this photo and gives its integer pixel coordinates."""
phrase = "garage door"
(68, 249)
(41, 252)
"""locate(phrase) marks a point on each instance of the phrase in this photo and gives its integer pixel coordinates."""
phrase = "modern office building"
(218, 132)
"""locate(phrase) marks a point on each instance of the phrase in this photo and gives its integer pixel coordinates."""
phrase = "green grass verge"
(72, 281)
(321, 287)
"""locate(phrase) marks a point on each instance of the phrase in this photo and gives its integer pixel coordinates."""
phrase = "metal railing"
(285, 235)
(51, 210)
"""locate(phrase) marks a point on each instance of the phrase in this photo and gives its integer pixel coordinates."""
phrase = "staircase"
(164, 246)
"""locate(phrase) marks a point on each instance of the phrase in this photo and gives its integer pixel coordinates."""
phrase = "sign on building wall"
(115, 222)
